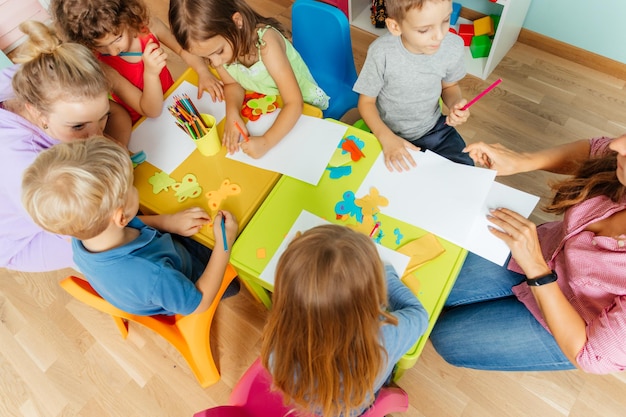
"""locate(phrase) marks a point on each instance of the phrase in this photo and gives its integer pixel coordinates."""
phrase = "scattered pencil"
(376, 226)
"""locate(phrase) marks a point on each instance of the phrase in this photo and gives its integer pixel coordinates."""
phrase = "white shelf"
(511, 20)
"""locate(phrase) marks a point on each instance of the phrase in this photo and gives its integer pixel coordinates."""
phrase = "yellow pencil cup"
(209, 144)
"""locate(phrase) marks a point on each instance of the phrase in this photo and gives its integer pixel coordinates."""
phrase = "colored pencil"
(485, 91)
(376, 226)
(224, 233)
(247, 139)
(187, 117)
(126, 54)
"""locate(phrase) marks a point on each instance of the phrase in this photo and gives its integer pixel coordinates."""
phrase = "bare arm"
(563, 159)
(206, 80)
(453, 99)
(233, 97)
(211, 279)
(275, 58)
(566, 325)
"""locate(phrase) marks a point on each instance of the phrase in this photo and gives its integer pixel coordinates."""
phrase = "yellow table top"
(257, 244)
(211, 171)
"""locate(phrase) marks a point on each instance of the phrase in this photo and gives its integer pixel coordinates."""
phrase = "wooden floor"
(59, 357)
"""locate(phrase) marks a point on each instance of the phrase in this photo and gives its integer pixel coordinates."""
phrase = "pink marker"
(485, 91)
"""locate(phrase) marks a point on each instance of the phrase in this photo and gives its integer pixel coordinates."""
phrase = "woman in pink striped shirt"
(561, 303)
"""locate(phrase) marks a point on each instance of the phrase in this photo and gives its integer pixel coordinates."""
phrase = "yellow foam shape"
(339, 158)
(421, 250)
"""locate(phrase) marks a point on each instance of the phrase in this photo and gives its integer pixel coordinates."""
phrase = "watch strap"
(546, 279)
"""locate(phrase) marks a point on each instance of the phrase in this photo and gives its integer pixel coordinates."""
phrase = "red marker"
(485, 91)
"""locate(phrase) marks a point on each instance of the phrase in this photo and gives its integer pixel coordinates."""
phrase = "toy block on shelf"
(466, 31)
(496, 21)
(480, 46)
(484, 26)
(456, 10)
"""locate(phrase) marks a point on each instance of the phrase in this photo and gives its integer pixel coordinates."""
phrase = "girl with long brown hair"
(340, 322)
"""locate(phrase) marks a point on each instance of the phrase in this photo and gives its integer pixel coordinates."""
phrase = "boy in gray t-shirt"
(404, 75)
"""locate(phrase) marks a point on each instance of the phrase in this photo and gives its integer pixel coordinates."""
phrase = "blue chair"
(321, 34)
(4, 60)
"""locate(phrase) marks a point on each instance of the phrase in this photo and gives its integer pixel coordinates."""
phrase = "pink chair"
(252, 397)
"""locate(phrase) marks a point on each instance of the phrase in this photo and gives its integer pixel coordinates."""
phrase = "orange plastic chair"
(253, 397)
(189, 334)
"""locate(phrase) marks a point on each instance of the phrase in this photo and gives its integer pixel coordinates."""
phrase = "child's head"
(329, 303)
(94, 22)
(76, 188)
(422, 23)
(232, 22)
(60, 84)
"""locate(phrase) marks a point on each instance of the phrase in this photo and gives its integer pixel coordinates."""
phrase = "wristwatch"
(546, 279)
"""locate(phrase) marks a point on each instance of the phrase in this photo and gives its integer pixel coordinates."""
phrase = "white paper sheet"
(306, 221)
(448, 199)
(480, 240)
(437, 195)
(303, 153)
(165, 145)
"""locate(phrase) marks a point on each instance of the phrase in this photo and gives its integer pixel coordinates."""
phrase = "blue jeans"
(484, 326)
(444, 140)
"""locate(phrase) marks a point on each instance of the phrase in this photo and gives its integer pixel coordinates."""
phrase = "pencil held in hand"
(479, 96)
(245, 137)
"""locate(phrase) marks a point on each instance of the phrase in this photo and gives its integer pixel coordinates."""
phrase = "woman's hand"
(496, 156)
(520, 235)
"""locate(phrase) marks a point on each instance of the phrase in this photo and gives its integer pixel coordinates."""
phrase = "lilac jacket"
(24, 246)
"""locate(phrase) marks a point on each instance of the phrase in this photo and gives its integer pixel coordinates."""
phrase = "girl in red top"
(128, 41)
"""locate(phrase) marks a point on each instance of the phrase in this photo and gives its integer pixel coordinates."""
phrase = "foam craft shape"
(161, 181)
(216, 197)
(421, 250)
(188, 187)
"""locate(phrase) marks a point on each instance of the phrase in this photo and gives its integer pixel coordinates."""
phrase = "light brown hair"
(74, 188)
(199, 20)
(52, 70)
(322, 343)
(397, 9)
(595, 177)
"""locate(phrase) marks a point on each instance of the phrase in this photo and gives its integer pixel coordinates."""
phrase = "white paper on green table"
(306, 221)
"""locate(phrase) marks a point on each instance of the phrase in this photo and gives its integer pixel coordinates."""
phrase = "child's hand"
(232, 138)
(207, 82)
(396, 154)
(458, 116)
(231, 229)
(187, 222)
(256, 147)
(154, 59)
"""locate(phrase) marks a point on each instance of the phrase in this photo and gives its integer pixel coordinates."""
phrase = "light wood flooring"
(59, 357)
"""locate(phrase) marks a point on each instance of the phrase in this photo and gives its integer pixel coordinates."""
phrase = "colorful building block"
(496, 21)
(466, 31)
(484, 26)
(480, 46)
(456, 10)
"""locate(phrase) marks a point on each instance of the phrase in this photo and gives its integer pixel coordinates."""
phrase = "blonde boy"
(403, 77)
(84, 189)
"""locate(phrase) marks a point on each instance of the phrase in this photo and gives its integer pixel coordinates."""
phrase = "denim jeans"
(484, 326)
(444, 140)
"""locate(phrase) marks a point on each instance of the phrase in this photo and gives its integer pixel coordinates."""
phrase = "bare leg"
(119, 125)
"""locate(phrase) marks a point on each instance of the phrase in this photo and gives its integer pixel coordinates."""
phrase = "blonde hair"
(52, 70)
(397, 9)
(74, 188)
(322, 335)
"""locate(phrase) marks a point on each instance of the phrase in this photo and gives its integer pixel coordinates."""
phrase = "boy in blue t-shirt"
(84, 189)
(405, 74)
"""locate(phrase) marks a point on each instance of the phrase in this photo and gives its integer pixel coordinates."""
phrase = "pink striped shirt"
(592, 275)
